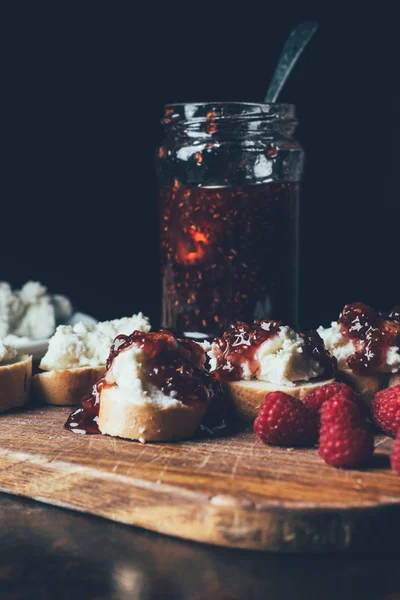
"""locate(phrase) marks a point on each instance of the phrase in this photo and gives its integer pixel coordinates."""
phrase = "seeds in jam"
(314, 346)
(239, 345)
(85, 418)
(171, 365)
(394, 314)
(228, 254)
(372, 332)
(174, 366)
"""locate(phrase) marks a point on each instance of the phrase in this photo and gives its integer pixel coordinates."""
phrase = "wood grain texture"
(232, 491)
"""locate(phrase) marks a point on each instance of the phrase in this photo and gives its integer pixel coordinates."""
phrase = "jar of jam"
(229, 184)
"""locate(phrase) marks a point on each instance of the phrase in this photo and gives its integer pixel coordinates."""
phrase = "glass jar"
(229, 178)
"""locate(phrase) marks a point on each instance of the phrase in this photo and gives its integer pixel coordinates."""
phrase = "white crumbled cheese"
(31, 312)
(12, 339)
(212, 355)
(281, 360)
(246, 370)
(7, 353)
(62, 308)
(337, 344)
(32, 291)
(342, 347)
(129, 384)
(206, 346)
(4, 327)
(88, 345)
(39, 320)
(393, 359)
(11, 309)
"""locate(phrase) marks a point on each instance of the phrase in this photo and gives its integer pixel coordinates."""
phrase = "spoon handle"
(294, 46)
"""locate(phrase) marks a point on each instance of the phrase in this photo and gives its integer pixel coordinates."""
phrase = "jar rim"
(199, 112)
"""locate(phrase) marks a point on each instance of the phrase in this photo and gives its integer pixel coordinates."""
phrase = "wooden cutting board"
(231, 491)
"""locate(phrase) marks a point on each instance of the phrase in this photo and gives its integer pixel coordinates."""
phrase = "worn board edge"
(218, 520)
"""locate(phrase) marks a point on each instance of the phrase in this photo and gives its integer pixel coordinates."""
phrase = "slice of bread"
(148, 422)
(15, 382)
(366, 386)
(66, 387)
(247, 396)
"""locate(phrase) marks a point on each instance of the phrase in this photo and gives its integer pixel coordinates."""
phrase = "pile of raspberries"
(334, 417)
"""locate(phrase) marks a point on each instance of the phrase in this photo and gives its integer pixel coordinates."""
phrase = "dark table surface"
(52, 553)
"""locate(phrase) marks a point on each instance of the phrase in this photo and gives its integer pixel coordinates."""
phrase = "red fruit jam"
(239, 344)
(174, 366)
(84, 419)
(315, 348)
(228, 254)
(372, 332)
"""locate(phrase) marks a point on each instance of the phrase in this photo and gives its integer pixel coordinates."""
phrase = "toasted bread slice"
(394, 379)
(365, 386)
(247, 396)
(66, 387)
(148, 422)
(15, 382)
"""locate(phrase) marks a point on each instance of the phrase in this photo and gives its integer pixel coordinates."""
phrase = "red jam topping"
(84, 419)
(239, 344)
(174, 366)
(315, 348)
(394, 314)
(372, 333)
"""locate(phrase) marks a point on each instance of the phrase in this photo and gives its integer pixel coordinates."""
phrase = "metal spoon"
(294, 46)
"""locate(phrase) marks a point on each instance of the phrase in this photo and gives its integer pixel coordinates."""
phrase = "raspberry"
(386, 409)
(395, 457)
(345, 439)
(339, 409)
(316, 398)
(286, 421)
(342, 446)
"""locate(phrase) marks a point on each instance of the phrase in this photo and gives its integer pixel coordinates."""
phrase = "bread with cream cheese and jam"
(156, 388)
(366, 344)
(252, 360)
(76, 358)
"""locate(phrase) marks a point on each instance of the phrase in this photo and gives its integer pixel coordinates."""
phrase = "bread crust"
(247, 396)
(394, 379)
(15, 382)
(66, 387)
(148, 422)
(366, 386)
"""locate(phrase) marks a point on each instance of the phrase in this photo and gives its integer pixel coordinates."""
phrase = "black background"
(84, 87)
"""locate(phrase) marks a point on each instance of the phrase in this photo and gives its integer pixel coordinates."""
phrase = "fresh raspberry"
(395, 457)
(386, 409)
(342, 446)
(345, 440)
(286, 421)
(339, 409)
(317, 397)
